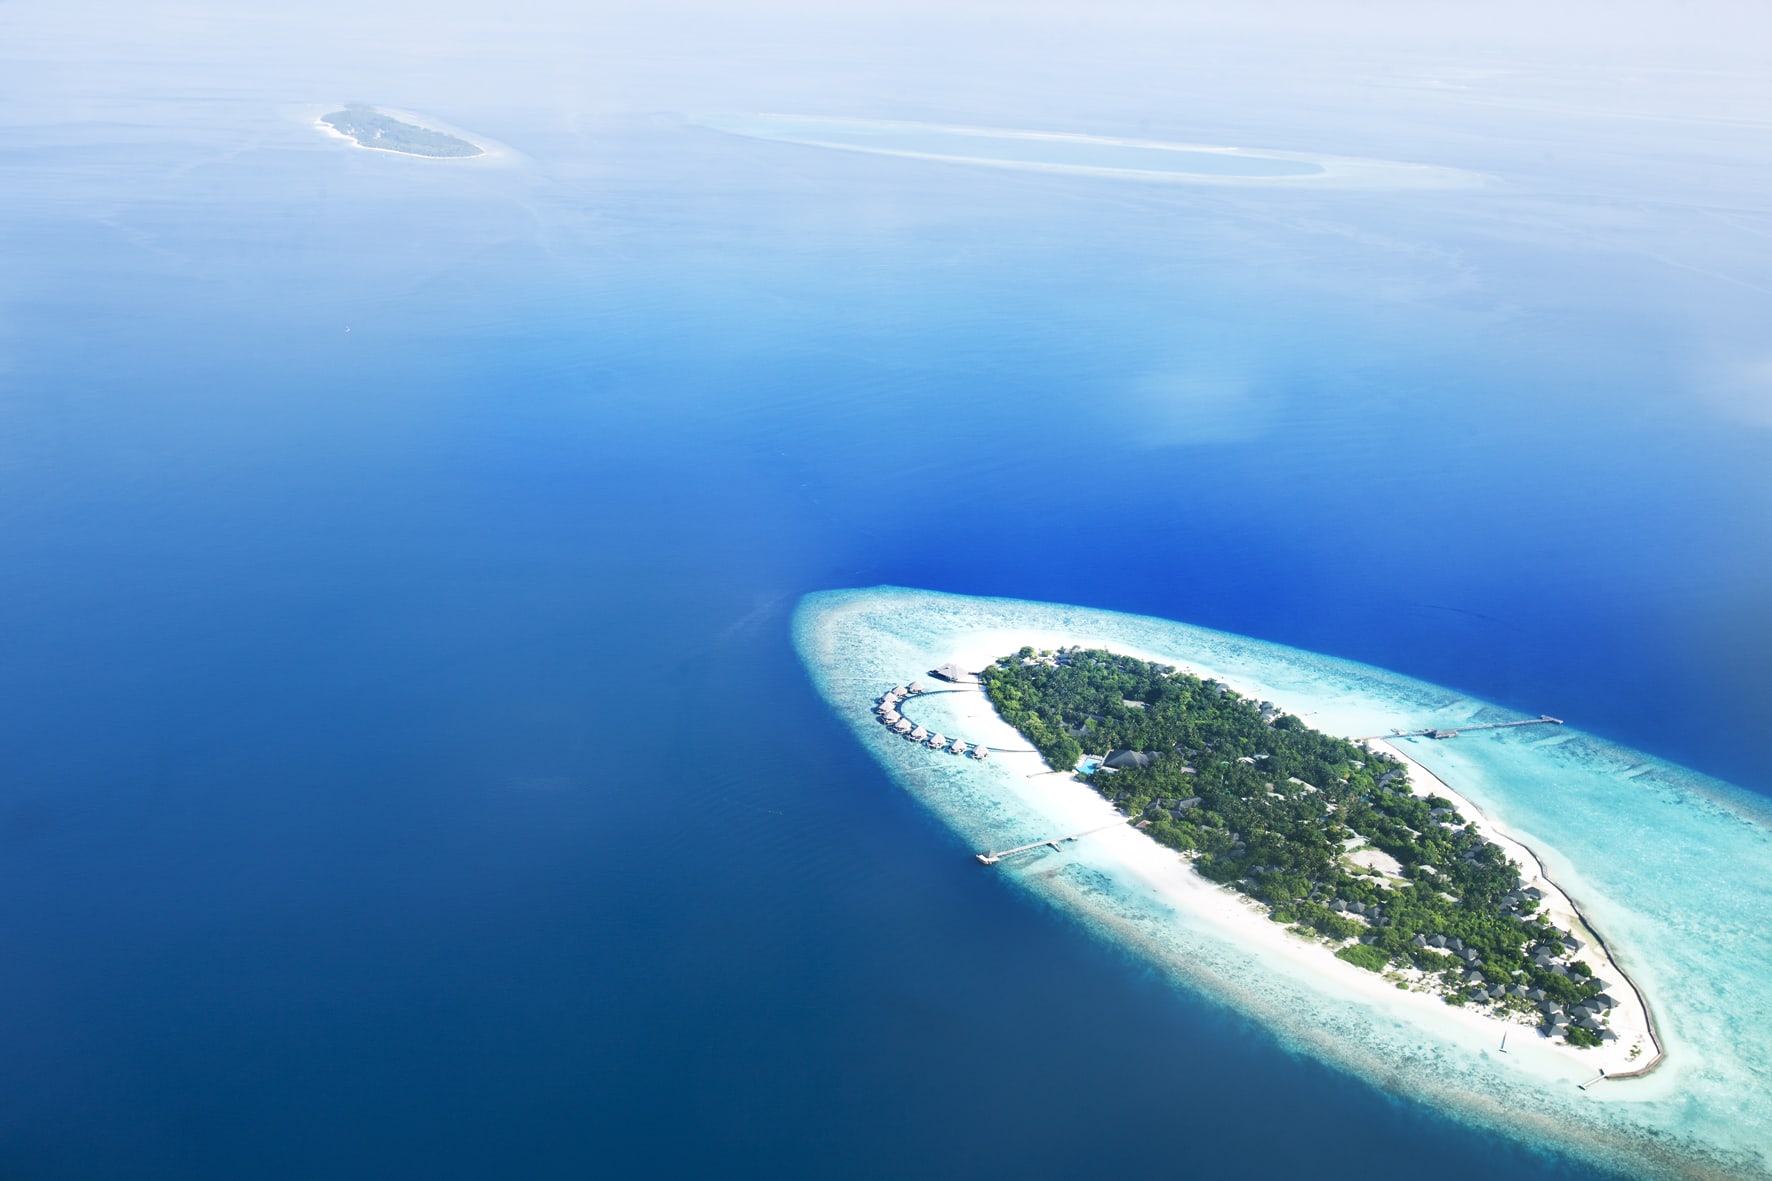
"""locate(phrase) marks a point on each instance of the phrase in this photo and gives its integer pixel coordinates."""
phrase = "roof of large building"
(953, 672)
(1126, 758)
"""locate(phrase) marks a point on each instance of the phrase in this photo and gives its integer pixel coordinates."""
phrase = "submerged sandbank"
(1145, 896)
(1089, 155)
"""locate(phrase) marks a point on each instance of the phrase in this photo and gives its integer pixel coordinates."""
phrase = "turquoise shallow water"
(1673, 867)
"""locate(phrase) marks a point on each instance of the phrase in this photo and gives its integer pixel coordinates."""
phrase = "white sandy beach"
(1075, 806)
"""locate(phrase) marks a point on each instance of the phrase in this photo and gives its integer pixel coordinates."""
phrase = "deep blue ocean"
(404, 766)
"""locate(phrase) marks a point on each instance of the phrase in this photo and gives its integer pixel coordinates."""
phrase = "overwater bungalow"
(957, 747)
(890, 717)
(937, 741)
(980, 753)
(914, 687)
(955, 674)
(900, 691)
(919, 734)
(902, 726)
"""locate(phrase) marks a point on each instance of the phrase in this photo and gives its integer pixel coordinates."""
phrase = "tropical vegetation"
(1329, 836)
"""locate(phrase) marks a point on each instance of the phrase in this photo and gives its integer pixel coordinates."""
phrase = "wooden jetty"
(992, 856)
(1455, 731)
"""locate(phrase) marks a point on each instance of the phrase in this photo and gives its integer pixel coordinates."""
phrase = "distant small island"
(370, 128)
(1330, 838)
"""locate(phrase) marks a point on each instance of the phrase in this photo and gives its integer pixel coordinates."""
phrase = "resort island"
(369, 128)
(1344, 842)
(1468, 907)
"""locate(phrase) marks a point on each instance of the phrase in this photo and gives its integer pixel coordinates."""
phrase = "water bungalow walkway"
(1454, 732)
(992, 856)
(888, 706)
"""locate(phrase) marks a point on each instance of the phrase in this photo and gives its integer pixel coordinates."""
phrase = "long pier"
(1455, 731)
(992, 856)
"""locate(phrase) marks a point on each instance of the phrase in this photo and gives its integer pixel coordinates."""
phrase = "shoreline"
(1247, 920)
(1645, 1028)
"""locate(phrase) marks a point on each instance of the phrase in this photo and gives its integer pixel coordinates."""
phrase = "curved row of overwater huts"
(887, 711)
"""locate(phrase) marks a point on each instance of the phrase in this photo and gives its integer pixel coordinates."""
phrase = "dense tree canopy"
(1270, 807)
